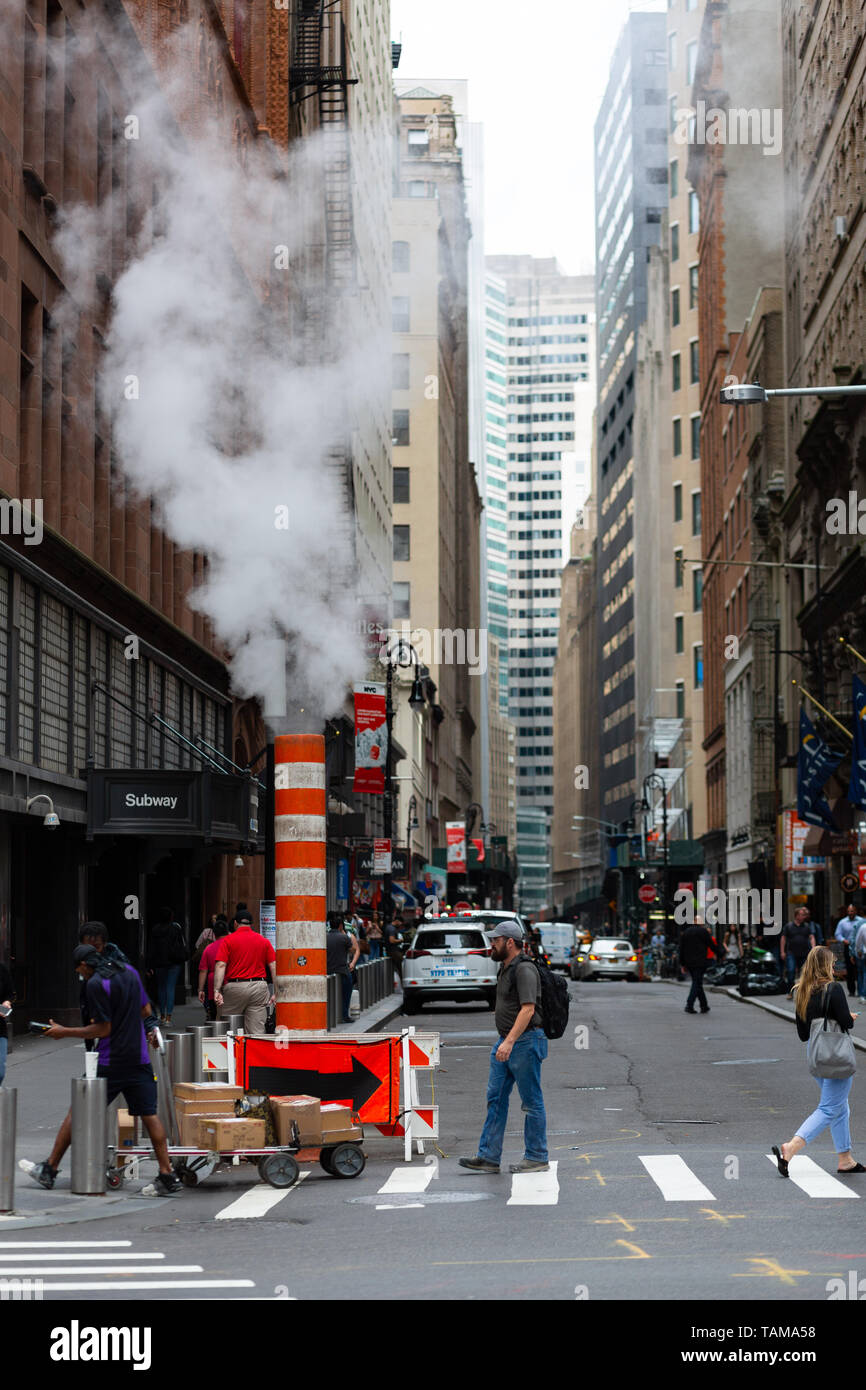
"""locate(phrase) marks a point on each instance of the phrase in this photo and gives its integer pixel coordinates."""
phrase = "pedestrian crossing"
(43, 1267)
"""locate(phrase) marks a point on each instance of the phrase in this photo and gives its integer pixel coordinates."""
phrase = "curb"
(780, 1013)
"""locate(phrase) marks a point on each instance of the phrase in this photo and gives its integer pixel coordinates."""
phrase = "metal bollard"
(199, 1031)
(183, 1058)
(236, 1023)
(219, 1028)
(89, 1136)
(8, 1117)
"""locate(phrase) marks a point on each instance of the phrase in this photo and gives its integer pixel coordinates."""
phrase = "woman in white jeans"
(833, 1110)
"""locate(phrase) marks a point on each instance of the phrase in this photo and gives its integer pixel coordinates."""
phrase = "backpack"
(554, 1000)
(176, 946)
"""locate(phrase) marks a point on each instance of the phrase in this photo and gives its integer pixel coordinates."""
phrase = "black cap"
(244, 917)
(85, 955)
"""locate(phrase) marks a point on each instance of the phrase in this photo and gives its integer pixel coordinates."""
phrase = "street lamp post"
(417, 699)
(658, 784)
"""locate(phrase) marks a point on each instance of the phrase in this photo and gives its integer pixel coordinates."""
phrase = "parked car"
(608, 957)
(450, 959)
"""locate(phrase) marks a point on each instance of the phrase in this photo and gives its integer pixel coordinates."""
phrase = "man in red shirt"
(244, 977)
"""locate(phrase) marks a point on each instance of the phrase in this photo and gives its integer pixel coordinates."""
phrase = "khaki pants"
(250, 998)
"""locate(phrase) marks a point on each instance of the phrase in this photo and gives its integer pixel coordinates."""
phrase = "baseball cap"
(244, 917)
(85, 955)
(512, 929)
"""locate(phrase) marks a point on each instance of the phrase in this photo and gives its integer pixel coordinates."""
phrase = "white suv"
(448, 959)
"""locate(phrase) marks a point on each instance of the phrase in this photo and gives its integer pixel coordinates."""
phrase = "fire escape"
(319, 69)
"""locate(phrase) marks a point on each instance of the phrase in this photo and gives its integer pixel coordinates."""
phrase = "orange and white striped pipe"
(301, 892)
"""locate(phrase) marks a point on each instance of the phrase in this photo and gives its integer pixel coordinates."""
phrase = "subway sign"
(188, 804)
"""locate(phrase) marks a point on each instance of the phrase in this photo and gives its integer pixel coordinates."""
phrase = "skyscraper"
(631, 177)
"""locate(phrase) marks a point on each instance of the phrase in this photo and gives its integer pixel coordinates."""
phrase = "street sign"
(647, 893)
(362, 1074)
(268, 920)
(861, 870)
(381, 856)
(802, 881)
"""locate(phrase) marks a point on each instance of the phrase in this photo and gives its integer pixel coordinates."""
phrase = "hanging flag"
(857, 786)
(815, 762)
(371, 738)
(455, 838)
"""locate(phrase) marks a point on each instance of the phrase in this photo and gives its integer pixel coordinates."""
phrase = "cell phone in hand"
(5, 1010)
(39, 1027)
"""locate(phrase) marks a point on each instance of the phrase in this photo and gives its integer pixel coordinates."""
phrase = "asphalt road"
(659, 1126)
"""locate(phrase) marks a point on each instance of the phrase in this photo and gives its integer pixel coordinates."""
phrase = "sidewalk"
(41, 1069)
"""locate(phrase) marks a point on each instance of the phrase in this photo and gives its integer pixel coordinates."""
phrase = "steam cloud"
(230, 426)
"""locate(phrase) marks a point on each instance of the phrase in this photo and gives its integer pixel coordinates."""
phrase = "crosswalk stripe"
(675, 1179)
(61, 1244)
(409, 1179)
(51, 1270)
(258, 1200)
(535, 1189)
(812, 1180)
(77, 1255)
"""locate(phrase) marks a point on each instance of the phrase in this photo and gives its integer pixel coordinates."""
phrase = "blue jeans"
(861, 976)
(346, 986)
(4, 1048)
(833, 1111)
(166, 982)
(523, 1067)
(375, 950)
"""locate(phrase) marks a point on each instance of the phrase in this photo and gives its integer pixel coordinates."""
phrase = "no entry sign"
(646, 893)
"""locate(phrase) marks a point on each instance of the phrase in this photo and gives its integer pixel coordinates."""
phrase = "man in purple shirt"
(118, 1007)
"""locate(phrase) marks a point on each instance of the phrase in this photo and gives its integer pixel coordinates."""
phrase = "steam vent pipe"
(299, 859)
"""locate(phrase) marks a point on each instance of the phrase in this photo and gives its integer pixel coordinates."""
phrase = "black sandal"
(858, 1168)
(782, 1163)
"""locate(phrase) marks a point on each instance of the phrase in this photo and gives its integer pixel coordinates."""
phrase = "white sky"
(536, 73)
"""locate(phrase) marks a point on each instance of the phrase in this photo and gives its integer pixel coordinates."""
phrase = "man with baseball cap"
(122, 1021)
(517, 1057)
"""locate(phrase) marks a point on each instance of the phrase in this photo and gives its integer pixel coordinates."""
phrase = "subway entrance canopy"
(186, 805)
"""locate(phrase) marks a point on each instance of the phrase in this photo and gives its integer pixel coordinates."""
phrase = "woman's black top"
(838, 1010)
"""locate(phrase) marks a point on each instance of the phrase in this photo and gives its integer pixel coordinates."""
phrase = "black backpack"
(554, 1000)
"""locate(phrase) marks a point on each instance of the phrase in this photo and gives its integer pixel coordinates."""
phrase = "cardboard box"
(303, 1109)
(204, 1107)
(125, 1129)
(339, 1124)
(223, 1133)
(190, 1128)
(206, 1090)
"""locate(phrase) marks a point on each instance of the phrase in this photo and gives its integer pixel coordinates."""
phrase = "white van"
(559, 939)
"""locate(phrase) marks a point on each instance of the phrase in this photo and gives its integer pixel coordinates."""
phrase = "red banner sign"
(371, 738)
(360, 1074)
(455, 833)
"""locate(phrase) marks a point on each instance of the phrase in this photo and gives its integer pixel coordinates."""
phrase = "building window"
(698, 663)
(400, 427)
(678, 569)
(673, 104)
(674, 178)
(417, 188)
(694, 213)
(691, 61)
(678, 501)
(675, 307)
(400, 371)
(401, 542)
(400, 313)
(675, 241)
(694, 363)
(676, 374)
(679, 635)
(672, 51)
(401, 600)
(693, 287)
(695, 423)
(678, 438)
(681, 699)
(419, 141)
(696, 513)
(697, 588)
(400, 255)
(401, 484)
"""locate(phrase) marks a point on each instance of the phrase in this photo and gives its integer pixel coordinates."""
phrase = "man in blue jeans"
(517, 1057)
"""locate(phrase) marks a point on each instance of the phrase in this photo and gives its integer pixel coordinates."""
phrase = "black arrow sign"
(358, 1085)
